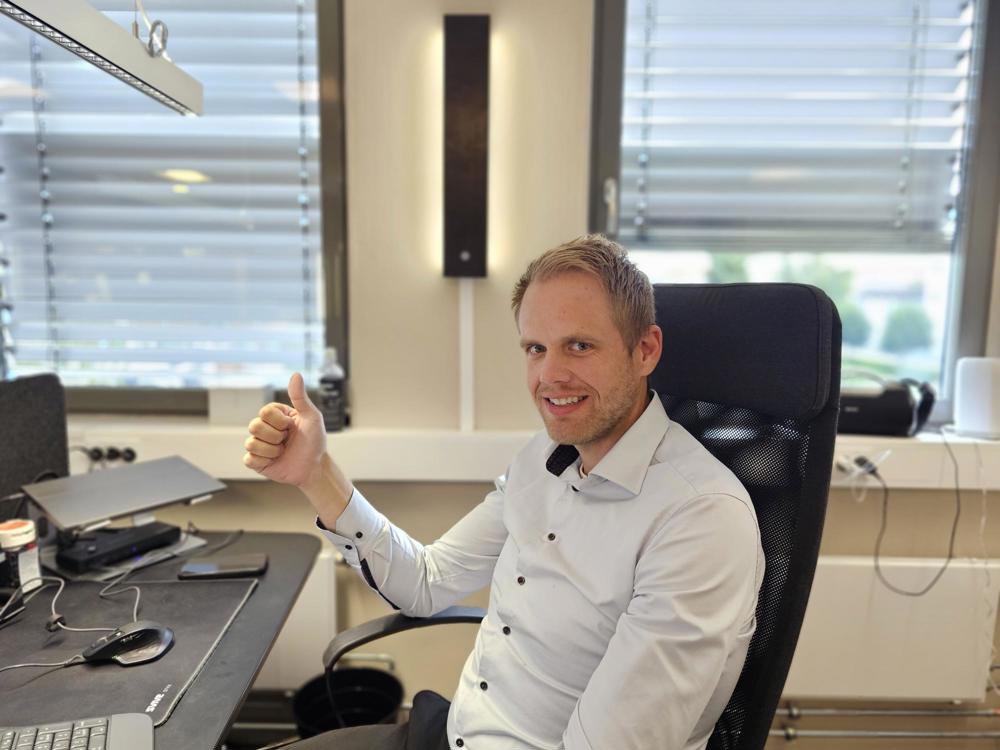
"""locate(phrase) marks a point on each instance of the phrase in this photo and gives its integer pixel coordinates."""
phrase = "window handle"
(611, 206)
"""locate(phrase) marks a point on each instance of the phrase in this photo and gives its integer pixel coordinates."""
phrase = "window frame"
(975, 248)
(333, 205)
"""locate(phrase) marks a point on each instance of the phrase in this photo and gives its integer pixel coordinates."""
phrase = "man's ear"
(647, 352)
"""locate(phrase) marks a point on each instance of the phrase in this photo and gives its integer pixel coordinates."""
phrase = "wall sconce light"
(85, 31)
(466, 141)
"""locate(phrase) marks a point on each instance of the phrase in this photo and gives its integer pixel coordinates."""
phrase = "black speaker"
(466, 141)
(33, 446)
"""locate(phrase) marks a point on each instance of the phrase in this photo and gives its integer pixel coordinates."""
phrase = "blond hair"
(628, 288)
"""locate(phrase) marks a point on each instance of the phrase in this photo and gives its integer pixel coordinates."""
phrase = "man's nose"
(554, 369)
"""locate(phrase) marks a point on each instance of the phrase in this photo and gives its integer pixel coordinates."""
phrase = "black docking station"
(102, 547)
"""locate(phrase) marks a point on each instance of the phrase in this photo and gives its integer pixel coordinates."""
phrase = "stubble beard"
(604, 419)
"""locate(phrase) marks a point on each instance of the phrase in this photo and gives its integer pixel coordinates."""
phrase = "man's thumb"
(297, 393)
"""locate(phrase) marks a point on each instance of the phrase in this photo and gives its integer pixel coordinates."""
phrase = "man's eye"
(579, 346)
(534, 349)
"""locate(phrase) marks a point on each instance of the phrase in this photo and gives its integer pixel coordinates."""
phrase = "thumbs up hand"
(287, 443)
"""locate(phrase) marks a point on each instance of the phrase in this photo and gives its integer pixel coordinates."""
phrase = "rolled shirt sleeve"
(686, 630)
(420, 580)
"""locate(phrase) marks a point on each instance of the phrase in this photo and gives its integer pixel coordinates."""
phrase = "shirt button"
(520, 580)
(506, 630)
(359, 535)
(347, 546)
(574, 488)
(483, 685)
(460, 742)
(552, 537)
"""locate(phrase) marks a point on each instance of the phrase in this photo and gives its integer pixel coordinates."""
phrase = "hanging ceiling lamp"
(85, 31)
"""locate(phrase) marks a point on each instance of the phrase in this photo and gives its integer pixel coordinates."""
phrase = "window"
(795, 141)
(147, 249)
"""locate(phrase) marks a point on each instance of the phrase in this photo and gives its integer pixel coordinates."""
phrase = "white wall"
(403, 312)
(993, 329)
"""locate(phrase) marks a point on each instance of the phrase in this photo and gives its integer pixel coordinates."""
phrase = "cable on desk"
(24, 603)
(105, 593)
(56, 621)
(69, 662)
(192, 529)
(224, 543)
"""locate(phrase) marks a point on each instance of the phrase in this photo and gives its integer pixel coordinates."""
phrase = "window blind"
(150, 249)
(775, 125)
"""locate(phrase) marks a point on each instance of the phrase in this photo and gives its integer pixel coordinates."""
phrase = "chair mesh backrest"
(33, 411)
(769, 459)
(783, 460)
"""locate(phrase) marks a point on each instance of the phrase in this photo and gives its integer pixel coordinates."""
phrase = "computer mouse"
(135, 643)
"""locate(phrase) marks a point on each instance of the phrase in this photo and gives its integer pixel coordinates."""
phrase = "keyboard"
(117, 732)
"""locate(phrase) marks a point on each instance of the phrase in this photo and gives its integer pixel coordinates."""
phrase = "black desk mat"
(199, 613)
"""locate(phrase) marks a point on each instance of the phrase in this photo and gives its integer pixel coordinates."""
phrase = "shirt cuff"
(355, 528)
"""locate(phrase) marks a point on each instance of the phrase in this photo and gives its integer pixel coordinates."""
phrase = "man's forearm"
(328, 490)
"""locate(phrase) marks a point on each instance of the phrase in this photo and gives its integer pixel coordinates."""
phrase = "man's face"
(587, 385)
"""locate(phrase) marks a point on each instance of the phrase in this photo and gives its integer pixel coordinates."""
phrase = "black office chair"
(753, 372)
(33, 415)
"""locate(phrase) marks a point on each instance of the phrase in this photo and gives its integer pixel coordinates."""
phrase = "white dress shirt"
(621, 603)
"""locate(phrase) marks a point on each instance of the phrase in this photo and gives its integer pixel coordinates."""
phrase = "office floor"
(268, 716)
(950, 728)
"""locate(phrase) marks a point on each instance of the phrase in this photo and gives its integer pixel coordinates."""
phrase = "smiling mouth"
(565, 401)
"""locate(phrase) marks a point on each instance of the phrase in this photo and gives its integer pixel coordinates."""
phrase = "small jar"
(19, 563)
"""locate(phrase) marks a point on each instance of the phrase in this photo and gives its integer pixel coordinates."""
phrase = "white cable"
(62, 626)
(105, 593)
(466, 355)
(859, 479)
(990, 625)
(68, 662)
(990, 628)
(150, 47)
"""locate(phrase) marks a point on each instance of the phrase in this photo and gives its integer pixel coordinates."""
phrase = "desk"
(206, 712)
(204, 715)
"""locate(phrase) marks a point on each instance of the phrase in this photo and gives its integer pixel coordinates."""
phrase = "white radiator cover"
(861, 640)
(297, 655)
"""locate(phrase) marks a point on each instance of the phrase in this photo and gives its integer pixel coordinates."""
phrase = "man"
(624, 560)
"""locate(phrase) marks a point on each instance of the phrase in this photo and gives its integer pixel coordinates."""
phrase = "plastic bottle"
(331, 389)
(19, 555)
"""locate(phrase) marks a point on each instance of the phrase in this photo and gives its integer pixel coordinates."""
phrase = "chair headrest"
(764, 347)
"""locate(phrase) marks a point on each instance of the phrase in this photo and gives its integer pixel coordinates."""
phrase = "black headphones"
(924, 405)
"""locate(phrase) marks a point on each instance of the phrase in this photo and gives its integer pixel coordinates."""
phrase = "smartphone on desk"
(224, 566)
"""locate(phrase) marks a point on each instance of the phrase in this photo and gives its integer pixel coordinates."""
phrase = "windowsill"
(452, 456)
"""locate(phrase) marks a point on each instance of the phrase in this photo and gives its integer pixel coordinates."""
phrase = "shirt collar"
(628, 460)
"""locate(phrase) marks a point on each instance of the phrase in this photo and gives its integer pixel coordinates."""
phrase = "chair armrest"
(374, 629)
